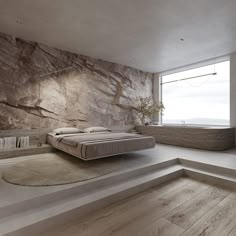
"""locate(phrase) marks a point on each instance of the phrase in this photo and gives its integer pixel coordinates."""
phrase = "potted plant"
(147, 108)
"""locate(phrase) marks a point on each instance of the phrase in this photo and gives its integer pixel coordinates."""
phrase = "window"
(202, 100)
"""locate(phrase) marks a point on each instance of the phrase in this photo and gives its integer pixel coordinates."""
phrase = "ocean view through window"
(198, 100)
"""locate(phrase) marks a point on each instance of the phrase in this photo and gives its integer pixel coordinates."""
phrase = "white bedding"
(89, 146)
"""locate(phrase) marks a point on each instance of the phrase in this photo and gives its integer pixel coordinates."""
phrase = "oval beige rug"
(56, 169)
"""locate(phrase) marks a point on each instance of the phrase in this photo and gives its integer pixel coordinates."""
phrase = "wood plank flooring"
(183, 207)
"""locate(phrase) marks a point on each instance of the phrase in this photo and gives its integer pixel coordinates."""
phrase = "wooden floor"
(181, 207)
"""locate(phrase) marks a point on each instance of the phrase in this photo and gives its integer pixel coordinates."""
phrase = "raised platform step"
(209, 172)
(210, 167)
(97, 193)
(85, 198)
(213, 178)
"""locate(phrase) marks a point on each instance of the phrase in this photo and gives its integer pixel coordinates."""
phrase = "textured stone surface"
(93, 92)
(207, 138)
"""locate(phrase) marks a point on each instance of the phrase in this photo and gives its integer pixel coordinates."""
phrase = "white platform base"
(76, 200)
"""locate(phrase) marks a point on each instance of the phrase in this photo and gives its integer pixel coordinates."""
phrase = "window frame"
(186, 68)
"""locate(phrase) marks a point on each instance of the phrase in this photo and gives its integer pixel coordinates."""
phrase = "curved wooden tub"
(207, 138)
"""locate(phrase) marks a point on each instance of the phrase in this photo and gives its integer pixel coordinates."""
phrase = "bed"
(88, 146)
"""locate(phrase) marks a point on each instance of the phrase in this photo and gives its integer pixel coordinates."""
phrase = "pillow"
(67, 130)
(96, 129)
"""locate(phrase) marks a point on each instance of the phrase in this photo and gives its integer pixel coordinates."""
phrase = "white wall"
(233, 89)
(156, 92)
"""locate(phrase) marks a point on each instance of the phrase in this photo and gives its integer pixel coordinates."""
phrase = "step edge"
(178, 171)
(190, 171)
(103, 180)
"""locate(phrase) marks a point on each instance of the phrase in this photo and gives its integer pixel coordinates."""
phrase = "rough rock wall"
(92, 92)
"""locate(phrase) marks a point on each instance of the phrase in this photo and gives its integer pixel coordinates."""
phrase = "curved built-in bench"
(208, 138)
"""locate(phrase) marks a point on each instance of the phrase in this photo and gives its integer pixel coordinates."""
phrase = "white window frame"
(185, 68)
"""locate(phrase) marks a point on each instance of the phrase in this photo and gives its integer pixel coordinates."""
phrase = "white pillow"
(96, 129)
(67, 130)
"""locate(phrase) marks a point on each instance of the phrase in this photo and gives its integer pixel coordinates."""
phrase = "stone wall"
(92, 92)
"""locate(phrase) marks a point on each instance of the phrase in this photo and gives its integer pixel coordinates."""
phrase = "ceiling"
(144, 34)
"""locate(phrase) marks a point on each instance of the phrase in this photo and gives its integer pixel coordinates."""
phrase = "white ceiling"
(144, 34)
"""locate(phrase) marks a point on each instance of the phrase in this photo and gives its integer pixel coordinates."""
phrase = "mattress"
(88, 146)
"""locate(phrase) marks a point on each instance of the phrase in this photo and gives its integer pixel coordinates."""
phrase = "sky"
(203, 100)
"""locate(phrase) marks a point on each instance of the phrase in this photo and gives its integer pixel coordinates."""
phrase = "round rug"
(54, 169)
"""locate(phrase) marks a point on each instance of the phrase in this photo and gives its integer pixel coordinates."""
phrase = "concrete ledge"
(32, 150)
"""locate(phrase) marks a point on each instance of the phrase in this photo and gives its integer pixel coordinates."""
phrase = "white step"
(80, 202)
(209, 167)
(214, 178)
(209, 172)
(95, 194)
(84, 187)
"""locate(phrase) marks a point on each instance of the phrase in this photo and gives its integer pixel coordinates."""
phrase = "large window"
(201, 100)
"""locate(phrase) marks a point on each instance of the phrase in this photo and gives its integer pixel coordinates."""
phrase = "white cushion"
(67, 130)
(96, 129)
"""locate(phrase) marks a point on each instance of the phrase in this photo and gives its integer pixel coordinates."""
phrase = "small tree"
(147, 108)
